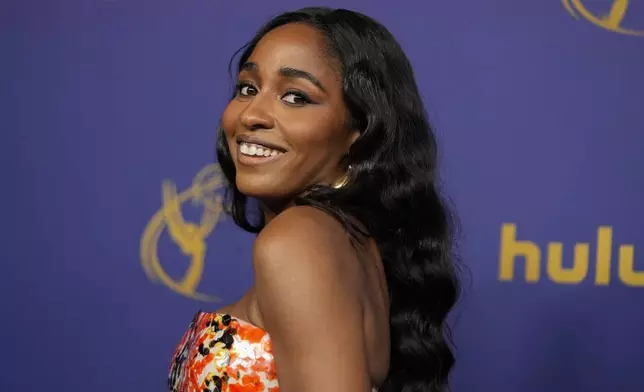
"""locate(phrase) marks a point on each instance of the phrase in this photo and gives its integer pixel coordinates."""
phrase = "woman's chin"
(259, 189)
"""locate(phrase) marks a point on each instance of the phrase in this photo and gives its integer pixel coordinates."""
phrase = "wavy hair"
(392, 194)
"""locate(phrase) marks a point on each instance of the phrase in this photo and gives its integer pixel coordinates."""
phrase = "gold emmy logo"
(611, 21)
(190, 237)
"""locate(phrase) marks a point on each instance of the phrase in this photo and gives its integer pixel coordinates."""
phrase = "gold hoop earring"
(342, 181)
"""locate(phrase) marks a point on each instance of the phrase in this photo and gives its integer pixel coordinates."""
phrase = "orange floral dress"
(219, 353)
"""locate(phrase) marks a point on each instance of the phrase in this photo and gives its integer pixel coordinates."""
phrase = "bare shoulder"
(302, 223)
(307, 280)
(304, 242)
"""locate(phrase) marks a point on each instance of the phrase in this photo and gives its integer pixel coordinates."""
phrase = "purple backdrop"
(112, 238)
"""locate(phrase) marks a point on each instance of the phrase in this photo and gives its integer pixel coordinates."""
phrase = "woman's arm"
(308, 287)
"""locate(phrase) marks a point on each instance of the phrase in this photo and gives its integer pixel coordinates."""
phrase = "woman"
(353, 270)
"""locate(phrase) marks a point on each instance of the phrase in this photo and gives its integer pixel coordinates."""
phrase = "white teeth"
(257, 150)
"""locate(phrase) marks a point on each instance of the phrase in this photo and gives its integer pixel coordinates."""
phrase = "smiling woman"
(327, 131)
(285, 84)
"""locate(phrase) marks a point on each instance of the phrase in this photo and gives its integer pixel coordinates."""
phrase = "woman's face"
(286, 127)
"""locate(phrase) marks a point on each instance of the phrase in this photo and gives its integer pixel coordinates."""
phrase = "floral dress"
(219, 353)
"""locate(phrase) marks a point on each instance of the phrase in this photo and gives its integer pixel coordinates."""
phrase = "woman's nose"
(257, 115)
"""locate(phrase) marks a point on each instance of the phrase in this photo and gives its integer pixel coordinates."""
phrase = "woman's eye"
(246, 90)
(296, 99)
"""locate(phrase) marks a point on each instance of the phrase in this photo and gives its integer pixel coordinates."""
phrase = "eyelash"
(305, 100)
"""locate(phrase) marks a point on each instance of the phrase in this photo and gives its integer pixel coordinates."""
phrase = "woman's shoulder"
(301, 229)
(302, 253)
(309, 296)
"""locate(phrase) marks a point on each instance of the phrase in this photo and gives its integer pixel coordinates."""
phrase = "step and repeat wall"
(113, 236)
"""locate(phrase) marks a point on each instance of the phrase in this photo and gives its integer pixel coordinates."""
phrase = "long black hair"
(392, 195)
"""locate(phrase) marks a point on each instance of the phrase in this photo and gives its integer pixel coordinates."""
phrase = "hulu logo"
(512, 250)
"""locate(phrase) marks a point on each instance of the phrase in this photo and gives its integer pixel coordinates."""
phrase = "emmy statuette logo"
(189, 237)
(611, 21)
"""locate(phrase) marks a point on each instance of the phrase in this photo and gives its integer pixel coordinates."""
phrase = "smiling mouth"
(257, 150)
